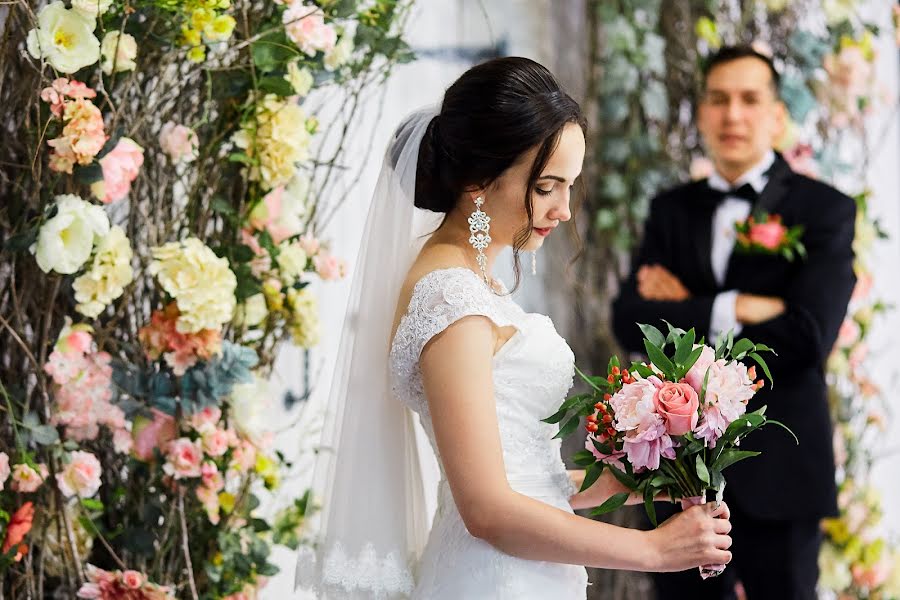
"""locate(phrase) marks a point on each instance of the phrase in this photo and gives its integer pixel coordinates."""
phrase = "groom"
(689, 272)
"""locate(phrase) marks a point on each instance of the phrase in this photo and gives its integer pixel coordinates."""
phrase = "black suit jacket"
(787, 481)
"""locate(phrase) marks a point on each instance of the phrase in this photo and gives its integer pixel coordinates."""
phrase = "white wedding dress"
(532, 374)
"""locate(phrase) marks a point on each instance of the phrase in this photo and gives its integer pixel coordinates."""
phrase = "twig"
(184, 544)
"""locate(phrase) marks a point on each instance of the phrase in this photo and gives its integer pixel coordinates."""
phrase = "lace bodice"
(532, 371)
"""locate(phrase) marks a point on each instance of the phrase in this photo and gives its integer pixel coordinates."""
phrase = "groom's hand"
(655, 282)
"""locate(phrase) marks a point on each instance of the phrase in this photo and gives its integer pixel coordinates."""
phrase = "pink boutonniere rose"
(766, 234)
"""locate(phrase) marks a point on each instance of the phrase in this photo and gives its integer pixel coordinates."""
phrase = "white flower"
(64, 38)
(179, 142)
(107, 278)
(249, 407)
(340, 54)
(300, 78)
(837, 11)
(291, 261)
(252, 312)
(91, 8)
(66, 240)
(303, 318)
(118, 49)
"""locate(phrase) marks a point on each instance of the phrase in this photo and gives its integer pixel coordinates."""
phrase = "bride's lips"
(543, 231)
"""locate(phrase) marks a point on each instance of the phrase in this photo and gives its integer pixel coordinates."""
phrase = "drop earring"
(480, 227)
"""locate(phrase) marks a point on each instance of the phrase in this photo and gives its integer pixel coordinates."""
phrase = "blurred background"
(633, 64)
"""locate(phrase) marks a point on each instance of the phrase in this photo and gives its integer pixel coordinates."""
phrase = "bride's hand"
(697, 536)
(605, 487)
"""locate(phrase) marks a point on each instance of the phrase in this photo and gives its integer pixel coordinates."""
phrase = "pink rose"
(697, 372)
(183, 458)
(215, 441)
(4, 469)
(149, 434)
(211, 477)
(179, 142)
(678, 404)
(132, 579)
(26, 479)
(305, 25)
(768, 235)
(209, 416)
(329, 267)
(81, 477)
(120, 167)
(848, 333)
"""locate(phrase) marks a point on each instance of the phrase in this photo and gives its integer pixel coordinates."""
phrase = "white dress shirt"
(729, 211)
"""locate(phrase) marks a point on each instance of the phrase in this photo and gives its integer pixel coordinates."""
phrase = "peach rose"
(768, 235)
(19, 526)
(678, 404)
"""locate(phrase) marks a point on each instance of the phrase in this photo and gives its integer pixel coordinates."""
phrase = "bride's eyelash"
(543, 192)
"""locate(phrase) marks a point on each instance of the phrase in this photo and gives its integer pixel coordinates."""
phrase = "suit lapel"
(702, 238)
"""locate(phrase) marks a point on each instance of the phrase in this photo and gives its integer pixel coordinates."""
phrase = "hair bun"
(431, 172)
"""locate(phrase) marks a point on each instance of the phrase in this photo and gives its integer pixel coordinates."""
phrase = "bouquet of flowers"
(671, 425)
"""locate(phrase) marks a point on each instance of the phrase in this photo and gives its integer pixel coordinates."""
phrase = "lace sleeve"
(440, 299)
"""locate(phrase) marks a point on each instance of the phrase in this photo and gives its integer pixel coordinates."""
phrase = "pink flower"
(329, 267)
(614, 458)
(768, 235)
(183, 458)
(81, 477)
(711, 427)
(305, 25)
(209, 498)
(203, 419)
(4, 469)
(120, 167)
(863, 287)
(697, 372)
(132, 579)
(848, 333)
(266, 214)
(648, 443)
(309, 244)
(215, 441)
(872, 577)
(82, 137)
(211, 476)
(149, 434)
(633, 403)
(122, 441)
(677, 403)
(26, 479)
(243, 457)
(179, 142)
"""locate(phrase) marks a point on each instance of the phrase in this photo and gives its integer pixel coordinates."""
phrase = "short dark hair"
(495, 112)
(727, 54)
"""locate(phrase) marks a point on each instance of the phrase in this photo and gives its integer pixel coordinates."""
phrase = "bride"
(430, 331)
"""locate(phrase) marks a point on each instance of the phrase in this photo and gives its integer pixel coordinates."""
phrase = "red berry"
(611, 379)
(607, 419)
(592, 427)
(615, 370)
(607, 397)
(625, 373)
(611, 431)
(599, 406)
(592, 418)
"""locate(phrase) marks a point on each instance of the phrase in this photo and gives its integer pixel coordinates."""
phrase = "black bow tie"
(745, 192)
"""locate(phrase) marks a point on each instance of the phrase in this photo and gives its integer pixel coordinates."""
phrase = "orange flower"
(19, 526)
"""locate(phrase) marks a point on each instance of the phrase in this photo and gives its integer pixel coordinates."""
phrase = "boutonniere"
(766, 234)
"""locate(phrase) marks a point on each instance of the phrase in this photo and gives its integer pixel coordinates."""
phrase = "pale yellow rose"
(91, 8)
(110, 273)
(120, 50)
(252, 311)
(303, 320)
(291, 261)
(301, 79)
(65, 241)
(340, 54)
(64, 38)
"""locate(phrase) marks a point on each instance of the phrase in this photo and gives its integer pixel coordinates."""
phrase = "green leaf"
(583, 458)
(741, 347)
(220, 205)
(692, 359)
(624, 478)
(273, 51)
(612, 503)
(45, 435)
(731, 456)
(649, 492)
(762, 363)
(786, 428)
(92, 504)
(570, 426)
(685, 347)
(591, 475)
(658, 358)
(240, 157)
(653, 334)
(556, 417)
(20, 242)
(276, 85)
(702, 471)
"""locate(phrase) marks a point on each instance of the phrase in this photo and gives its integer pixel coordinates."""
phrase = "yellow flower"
(191, 37)
(252, 312)
(197, 54)
(301, 79)
(280, 141)
(65, 242)
(291, 261)
(120, 50)
(303, 318)
(202, 284)
(64, 38)
(220, 29)
(268, 470)
(226, 502)
(201, 17)
(108, 276)
(706, 29)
